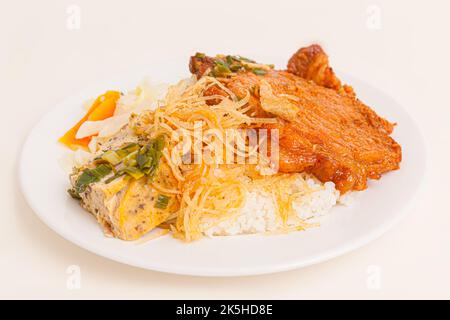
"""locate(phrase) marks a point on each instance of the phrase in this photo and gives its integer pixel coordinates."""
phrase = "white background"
(42, 61)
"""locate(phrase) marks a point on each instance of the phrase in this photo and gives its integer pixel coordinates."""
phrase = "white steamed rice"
(258, 214)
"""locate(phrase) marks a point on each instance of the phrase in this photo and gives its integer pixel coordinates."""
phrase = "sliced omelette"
(118, 189)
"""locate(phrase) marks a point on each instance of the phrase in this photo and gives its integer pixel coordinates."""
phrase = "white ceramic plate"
(44, 185)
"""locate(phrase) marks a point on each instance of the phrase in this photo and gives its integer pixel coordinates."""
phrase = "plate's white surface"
(44, 185)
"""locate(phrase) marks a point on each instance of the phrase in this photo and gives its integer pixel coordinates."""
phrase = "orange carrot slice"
(102, 108)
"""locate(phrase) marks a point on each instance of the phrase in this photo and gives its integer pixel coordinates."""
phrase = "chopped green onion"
(125, 151)
(90, 176)
(74, 194)
(241, 58)
(230, 60)
(162, 202)
(221, 69)
(199, 55)
(133, 172)
(259, 72)
(142, 158)
(114, 177)
(112, 157)
(130, 159)
(227, 65)
(149, 156)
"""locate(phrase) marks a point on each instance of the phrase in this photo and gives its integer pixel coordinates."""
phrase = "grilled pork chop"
(324, 129)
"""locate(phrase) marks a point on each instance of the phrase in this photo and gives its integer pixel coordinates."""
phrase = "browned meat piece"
(322, 131)
(311, 63)
(200, 64)
(333, 136)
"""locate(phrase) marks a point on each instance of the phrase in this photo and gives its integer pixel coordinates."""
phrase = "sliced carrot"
(102, 108)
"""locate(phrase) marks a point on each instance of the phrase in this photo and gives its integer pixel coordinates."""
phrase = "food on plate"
(102, 108)
(311, 63)
(328, 133)
(115, 188)
(239, 148)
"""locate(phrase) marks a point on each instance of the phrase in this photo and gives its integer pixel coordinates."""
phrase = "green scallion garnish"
(90, 176)
(259, 72)
(162, 201)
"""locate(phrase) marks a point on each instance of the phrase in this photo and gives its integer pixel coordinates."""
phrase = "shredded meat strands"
(207, 193)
